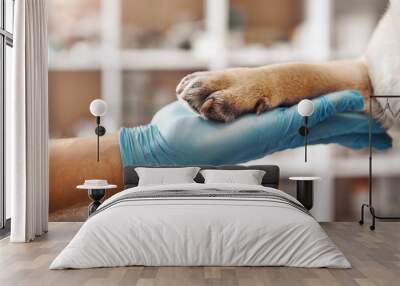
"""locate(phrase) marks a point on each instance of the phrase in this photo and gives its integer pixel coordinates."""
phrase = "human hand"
(177, 136)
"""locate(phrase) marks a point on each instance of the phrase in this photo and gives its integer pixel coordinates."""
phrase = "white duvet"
(200, 231)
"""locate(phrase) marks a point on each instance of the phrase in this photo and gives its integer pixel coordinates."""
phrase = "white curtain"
(27, 123)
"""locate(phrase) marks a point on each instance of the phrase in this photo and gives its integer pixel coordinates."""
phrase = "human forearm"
(73, 160)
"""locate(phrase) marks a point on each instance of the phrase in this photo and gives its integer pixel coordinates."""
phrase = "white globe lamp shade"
(98, 107)
(305, 107)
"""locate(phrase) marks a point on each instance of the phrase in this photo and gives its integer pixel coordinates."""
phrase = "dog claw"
(262, 105)
(197, 84)
(206, 106)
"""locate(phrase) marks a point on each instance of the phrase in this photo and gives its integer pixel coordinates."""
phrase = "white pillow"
(165, 176)
(248, 177)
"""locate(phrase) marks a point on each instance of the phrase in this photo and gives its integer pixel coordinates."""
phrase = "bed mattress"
(201, 225)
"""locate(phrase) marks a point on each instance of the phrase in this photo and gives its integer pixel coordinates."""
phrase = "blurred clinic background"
(132, 53)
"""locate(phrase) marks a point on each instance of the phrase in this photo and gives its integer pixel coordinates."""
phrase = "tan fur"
(224, 95)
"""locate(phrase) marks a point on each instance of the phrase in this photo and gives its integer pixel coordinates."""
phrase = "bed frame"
(270, 179)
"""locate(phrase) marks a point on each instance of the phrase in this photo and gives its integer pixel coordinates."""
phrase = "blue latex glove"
(177, 136)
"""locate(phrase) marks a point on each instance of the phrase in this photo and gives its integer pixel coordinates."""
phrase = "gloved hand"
(177, 136)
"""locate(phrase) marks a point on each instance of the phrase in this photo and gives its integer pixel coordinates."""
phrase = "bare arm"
(74, 160)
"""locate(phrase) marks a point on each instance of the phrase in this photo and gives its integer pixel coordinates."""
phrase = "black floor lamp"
(370, 205)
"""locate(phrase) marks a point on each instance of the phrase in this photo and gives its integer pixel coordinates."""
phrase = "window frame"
(6, 39)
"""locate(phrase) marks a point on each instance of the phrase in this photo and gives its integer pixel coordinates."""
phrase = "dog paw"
(224, 95)
(194, 89)
(227, 105)
(218, 107)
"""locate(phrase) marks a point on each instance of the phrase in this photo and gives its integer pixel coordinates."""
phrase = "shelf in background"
(158, 59)
(89, 59)
(383, 165)
(264, 56)
(291, 162)
(126, 60)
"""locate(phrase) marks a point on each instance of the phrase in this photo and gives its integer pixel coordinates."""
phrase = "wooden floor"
(375, 257)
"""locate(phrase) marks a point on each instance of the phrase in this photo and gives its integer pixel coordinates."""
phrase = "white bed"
(184, 230)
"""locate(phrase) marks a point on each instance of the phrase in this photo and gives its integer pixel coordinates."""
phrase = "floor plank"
(375, 257)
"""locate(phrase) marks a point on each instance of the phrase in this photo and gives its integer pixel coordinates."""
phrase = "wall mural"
(118, 52)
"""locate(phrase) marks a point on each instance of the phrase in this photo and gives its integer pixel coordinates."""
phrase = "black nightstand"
(96, 192)
(305, 192)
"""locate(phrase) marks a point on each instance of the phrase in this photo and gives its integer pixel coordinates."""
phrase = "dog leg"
(224, 95)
